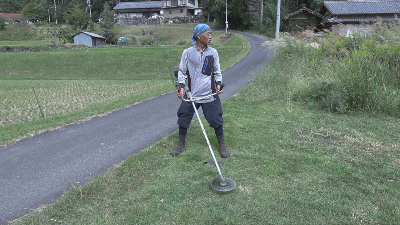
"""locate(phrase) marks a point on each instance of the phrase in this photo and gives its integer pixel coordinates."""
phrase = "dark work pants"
(212, 112)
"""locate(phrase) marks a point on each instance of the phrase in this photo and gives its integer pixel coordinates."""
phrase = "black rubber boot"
(181, 146)
(222, 150)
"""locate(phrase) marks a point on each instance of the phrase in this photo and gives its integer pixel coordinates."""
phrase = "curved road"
(36, 171)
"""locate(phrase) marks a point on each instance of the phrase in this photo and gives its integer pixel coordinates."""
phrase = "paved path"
(36, 171)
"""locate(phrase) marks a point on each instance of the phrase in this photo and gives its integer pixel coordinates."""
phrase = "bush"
(339, 74)
(181, 42)
(146, 42)
(2, 23)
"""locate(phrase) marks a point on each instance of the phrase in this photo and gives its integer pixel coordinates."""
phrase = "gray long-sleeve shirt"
(202, 70)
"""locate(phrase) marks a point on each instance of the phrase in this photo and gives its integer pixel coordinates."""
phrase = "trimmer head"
(223, 184)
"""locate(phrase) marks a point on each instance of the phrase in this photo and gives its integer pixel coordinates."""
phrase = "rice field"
(27, 100)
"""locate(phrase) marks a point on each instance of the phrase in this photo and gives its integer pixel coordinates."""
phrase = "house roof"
(138, 5)
(304, 9)
(338, 20)
(11, 16)
(362, 7)
(91, 34)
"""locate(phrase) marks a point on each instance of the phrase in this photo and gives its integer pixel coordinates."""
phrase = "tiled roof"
(304, 9)
(362, 7)
(344, 20)
(10, 16)
(138, 5)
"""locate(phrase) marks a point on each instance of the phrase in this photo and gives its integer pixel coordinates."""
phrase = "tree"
(107, 17)
(2, 23)
(13, 6)
(107, 23)
(58, 35)
(77, 15)
(33, 12)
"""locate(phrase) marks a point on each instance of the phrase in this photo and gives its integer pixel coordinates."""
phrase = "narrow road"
(36, 171)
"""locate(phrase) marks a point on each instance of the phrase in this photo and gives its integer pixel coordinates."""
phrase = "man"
(200, 67)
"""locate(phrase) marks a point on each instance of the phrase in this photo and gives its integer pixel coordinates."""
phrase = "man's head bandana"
(199, 29)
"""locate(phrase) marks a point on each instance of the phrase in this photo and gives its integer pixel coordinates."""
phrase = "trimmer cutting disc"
(223, 185)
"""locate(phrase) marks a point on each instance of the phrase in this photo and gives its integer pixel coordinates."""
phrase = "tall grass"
(342, 74)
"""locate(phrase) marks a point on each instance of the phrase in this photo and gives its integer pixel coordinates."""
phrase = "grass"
(293, 164)
(72, 85)
(299, 167)
(30, 43)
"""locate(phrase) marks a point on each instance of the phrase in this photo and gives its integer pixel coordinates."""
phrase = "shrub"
(146, 42)
(181, 42)
(340, 74)
(2, 23)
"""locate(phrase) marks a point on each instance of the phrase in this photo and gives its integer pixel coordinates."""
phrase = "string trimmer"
(221, 184)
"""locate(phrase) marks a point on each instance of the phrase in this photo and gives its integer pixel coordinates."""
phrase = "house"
(145, 9)
(302, 19)
(13, 17)
(90, 39)
(347, 17)
(180, 8)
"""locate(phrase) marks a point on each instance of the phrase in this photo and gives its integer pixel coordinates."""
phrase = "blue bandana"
(199, 29)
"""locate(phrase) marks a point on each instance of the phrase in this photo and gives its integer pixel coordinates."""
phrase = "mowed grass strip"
(296, 166)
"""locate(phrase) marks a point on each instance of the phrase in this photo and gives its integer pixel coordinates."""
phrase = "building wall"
(88, 40)
(176, 11)
(165, 20)
(130, 15)
(349, 29)
(82, 38)
(98, 42)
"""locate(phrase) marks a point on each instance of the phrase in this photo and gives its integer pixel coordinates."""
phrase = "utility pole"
(55, 10)
(90, 8)
(278, 20)
(226, 16)
(261, 13)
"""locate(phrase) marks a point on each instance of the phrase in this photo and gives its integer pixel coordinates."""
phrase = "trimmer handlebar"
(198, 99)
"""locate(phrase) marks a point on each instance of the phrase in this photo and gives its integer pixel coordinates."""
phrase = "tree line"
(242, 14)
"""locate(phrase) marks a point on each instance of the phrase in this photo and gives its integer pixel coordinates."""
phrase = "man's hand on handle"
(179, 93)
(219, 89)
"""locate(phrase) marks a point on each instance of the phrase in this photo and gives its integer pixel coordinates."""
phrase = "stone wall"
(172, 20)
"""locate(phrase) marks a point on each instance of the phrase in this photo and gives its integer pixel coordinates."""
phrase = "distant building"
(302, 19)
(346, 17)
(145, 9)
(9, 16)
(90, 39)
(152, 9)
(173, 8)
